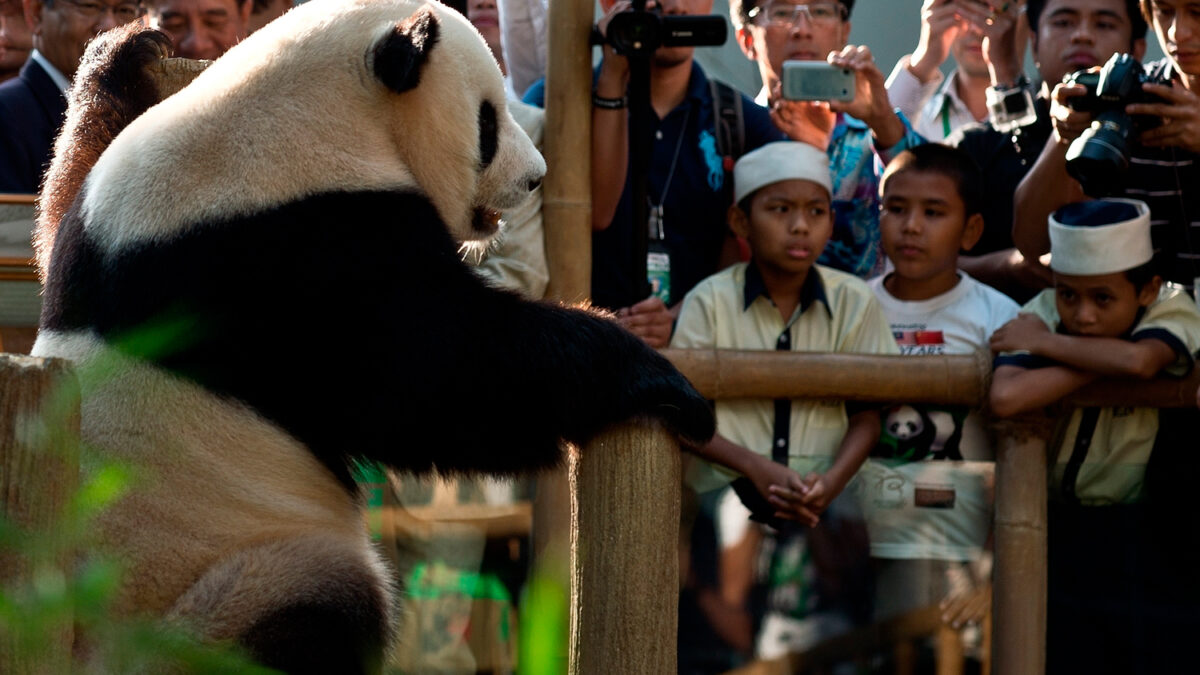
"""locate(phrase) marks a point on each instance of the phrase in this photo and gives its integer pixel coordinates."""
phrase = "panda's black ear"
(400, 55)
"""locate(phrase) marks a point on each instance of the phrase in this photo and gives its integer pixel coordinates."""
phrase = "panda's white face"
(494, 160)
(904, 423)
(334, 96)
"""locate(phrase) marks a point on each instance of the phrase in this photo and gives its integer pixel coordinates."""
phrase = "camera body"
(641, 32)
(1099, 158)
(816, 81)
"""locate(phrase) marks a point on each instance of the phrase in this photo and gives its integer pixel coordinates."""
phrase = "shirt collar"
(56, 76)
(698, 84)
(813, 289)
(950, 91)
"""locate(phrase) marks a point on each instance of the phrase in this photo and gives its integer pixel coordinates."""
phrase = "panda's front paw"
(667, 396)
(115, 70)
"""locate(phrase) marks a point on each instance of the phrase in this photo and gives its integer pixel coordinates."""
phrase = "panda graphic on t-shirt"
(917, 432)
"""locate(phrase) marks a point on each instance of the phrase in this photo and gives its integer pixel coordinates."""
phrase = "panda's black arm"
(434, 367)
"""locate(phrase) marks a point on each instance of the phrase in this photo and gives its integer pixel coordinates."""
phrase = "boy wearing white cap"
(1108, 314)
(794, 457)
(783, 300)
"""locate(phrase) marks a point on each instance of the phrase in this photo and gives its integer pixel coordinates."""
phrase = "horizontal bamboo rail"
(729, 374)
(964, 380)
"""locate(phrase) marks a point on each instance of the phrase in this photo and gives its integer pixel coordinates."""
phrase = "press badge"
(658, 260)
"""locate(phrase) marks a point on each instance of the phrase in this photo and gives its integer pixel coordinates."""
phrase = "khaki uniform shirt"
(730, 310)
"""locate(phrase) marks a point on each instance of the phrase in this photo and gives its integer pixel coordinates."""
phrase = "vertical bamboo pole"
(625, 570)
(567, 222)
(39, 471)
(567, 190)
(1019, 576)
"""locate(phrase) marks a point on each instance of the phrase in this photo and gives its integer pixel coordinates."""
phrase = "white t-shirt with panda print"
(925, 491)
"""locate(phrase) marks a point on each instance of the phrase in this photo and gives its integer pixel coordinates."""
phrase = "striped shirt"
(1168, 180)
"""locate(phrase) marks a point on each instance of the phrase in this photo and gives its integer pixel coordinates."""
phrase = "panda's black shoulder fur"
(349, 319)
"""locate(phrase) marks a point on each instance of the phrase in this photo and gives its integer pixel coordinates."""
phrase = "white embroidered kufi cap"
(781, 160)
(1100, 237)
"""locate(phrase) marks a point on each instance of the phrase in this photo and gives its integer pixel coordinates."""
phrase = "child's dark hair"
(952, 163)
(1141, 275)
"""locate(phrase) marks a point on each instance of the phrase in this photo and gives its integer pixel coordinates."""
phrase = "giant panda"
(317, 179)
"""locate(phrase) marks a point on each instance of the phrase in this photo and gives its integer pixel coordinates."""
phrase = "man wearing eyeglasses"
(32, 106)
(201, 29)
(860, 136)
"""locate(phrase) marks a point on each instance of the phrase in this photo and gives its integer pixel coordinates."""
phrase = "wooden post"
(39, 472)
(567, 190)
(567, 227)
(567, 219)
(625, 553)
(1019, 574)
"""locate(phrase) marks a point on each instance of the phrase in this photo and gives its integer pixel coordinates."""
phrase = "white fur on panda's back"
(211, 474)
(254, 130)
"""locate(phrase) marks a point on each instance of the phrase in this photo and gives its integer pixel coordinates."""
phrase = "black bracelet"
(1020, 83)
(609, 103)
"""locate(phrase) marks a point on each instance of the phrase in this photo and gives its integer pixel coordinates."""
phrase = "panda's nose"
(535, 184)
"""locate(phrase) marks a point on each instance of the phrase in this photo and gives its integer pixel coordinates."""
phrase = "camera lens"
(1099, 158)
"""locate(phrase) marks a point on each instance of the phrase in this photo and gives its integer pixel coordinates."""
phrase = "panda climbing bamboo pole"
(39, 468)
(625, 552)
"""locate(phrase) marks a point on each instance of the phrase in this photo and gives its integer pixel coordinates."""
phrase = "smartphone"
(817, 81)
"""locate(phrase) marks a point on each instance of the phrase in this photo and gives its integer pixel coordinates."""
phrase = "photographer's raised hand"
(614, 68)
(809, 122)
(871, 103)
(1180, 114)
(1067, 122)
(940, 26)
(997, 23)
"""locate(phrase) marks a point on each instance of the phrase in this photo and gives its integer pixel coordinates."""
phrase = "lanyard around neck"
(674, 159)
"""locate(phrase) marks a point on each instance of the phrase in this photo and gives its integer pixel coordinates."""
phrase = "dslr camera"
(1099, 158)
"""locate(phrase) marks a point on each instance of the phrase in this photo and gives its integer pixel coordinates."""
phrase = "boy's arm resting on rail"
(1016, 389)
(1115, 357)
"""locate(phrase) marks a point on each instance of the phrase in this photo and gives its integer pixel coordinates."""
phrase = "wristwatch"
(1010, 106)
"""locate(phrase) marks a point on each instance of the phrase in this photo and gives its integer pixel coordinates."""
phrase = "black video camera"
(1099, 158)
(640, 31)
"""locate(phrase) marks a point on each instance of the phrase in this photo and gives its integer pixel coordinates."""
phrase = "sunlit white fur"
(295, 110)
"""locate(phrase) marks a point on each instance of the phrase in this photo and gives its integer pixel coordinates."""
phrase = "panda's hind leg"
(315, 604)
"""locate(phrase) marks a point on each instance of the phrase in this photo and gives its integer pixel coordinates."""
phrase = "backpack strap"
(730, 126)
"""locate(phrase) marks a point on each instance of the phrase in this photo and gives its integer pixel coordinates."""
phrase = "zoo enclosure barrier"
(625, 526)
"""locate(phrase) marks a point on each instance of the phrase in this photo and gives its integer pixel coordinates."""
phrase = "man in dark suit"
(33, 104)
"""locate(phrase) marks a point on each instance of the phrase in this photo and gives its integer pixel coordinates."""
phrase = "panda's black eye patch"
(488, 134)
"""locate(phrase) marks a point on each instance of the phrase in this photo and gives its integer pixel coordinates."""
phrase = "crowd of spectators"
(915, 217)
(950, 249)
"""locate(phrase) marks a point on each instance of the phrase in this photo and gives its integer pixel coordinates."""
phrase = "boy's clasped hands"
(797, 498)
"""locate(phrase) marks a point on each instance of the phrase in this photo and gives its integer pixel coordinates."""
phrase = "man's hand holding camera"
(614, 68)
(871, 103)
(1068, 123)
(1180, 113)
(809, 122)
